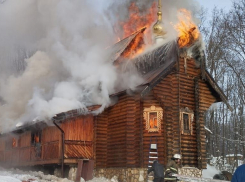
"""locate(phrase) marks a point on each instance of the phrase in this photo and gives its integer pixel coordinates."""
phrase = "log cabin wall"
(133, 131)
(118, 134)
(177, 91)
(121, 125)
(166, 94)
(196, 96)
(100, 135)
(154, 137)
(188, 73)
(116, 138)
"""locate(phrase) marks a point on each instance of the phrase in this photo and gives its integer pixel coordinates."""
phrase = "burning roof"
(119, 48)
(157, 63)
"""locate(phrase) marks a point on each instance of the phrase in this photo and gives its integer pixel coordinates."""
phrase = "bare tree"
(224, 36)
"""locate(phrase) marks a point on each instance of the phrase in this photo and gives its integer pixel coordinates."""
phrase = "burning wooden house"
(167, 110)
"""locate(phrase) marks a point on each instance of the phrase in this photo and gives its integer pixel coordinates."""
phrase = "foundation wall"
(138, 174)
(190, 171)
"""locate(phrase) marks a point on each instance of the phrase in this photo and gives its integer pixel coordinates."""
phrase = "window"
(14, 142)
(153, 117)
(186, 119)
(36, 142)
(35, 138)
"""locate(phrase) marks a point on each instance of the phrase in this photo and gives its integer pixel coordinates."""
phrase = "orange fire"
(138, 21)
(136, 46)
(14, 142)
(188, 31)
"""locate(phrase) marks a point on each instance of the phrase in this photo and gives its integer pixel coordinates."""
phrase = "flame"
(14, 143)
(136, 46)
(36, 138)
(188, 31)
(138, 21)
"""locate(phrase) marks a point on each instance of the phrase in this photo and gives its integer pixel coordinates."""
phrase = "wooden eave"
(156, 77)
(61, 117)
(221, 97)
(30, 127)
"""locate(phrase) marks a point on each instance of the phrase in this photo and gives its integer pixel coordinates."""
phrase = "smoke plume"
(54, 58)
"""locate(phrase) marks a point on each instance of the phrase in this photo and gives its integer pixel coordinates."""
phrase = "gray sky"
(210, 4)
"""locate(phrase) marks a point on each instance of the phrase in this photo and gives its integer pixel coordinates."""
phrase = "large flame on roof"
(188, 31)
(138, 20)
(136, 46)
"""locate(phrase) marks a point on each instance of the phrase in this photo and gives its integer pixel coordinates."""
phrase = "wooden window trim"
(190, 114)
(159, 116)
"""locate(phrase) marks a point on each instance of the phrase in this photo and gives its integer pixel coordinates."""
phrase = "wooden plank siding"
(25, 154)
(2, 143)
(25, 139)
(78, 144)
(2, 149)
(81, 127)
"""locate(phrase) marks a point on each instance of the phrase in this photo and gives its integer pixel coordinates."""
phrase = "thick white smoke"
(53, 56)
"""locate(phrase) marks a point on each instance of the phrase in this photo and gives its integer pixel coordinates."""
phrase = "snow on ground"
(209, 172)
(15, 175)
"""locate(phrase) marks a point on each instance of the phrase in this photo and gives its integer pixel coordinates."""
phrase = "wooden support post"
(85, 170)
(79, 170)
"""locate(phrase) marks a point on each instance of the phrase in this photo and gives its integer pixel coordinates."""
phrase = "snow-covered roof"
(207, 129)
(232, 155)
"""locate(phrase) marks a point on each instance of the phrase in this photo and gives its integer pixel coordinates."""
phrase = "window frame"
(159, 117)
(190, 115)
(33, 135)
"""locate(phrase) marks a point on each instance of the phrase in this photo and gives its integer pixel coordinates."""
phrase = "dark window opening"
(36, 138)
(186, 122)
